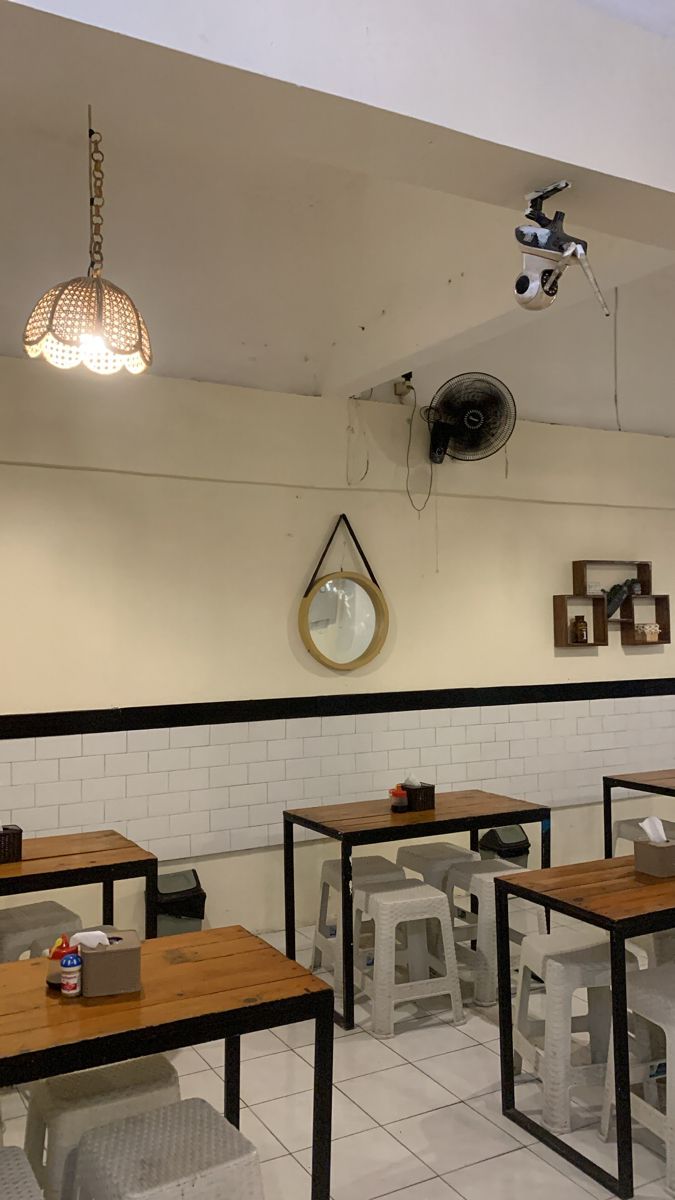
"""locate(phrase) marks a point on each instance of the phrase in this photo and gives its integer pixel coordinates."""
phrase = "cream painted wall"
(157, 535)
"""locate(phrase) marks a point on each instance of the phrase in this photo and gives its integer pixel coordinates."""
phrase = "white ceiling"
(280, 239)
(658, 16)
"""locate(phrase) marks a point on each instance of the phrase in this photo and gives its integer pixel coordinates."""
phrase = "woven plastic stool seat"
(63, 1109)
(17, 1181)
(411, 904)
(24, 924)
(185, 1150)
(629, 830)
(327, 947)
(432, 860)
(568, 961)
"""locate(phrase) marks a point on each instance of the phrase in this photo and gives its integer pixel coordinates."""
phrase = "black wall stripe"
(103, 720)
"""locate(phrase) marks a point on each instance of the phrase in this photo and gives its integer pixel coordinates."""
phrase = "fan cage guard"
(459, 398)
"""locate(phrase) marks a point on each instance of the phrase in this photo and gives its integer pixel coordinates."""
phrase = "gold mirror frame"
(381, 621)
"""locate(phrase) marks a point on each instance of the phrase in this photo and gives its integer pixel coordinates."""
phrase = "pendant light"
(89, 320)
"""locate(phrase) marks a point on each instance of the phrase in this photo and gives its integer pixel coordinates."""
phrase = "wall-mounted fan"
(470, 417)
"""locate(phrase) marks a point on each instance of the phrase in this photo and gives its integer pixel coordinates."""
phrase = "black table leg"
(108, 902)
(347, 937)
(289, 887)
(232, 1079)
(151, 898)
(504, 996)
(546, 857)
(323, 1100)
(473, 845)
(624, 1138)
(607, 815)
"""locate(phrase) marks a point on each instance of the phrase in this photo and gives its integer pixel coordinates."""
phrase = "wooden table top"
(652, 780)
(185, 976)
(609, 890)
(73, 852)
(338, 820)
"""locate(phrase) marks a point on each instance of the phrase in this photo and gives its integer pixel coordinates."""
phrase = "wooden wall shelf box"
(598, 635)
(642, 572)
(630, 616)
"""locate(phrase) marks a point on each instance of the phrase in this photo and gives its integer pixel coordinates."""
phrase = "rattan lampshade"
(91, 321)
(88, 319)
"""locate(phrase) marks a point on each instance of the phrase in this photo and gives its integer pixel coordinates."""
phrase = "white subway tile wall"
(200, 789)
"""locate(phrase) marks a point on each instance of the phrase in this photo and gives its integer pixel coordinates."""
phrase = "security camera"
(548, 250)
(532, 287)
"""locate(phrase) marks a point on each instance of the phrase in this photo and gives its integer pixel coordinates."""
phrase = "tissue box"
(654, 858)
(420, 798)
(115, 969)
(11, 837)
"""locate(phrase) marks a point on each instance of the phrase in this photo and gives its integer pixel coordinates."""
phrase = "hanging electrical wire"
(418, 508)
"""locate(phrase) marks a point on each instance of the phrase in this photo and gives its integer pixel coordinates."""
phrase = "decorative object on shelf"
(579, 630)
(88, 319)
(343, 618)
(11, 841)
(626, 597)
(618, 593)
(647, 632)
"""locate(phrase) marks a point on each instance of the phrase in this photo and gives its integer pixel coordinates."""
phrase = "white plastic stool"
(651, 998)
(478, 879)
(62, 1109)
(17, 1181)
(186, 1150)
(629, 830)
(432, 860)
(25, 924)
(567, 960)
(410, 904)
(327, 948)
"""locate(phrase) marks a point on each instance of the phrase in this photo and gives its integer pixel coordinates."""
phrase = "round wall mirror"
(343, 620)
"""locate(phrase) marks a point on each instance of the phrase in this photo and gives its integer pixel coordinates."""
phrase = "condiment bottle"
(71, 975)
(580, 630)
(399, 799)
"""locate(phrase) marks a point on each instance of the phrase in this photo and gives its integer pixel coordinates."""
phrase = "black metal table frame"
(609, 782)
(619, 933)
(106, 874)
(230, 1025)
(472, 825)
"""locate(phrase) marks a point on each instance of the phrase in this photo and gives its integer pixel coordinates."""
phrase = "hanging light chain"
(95, 202)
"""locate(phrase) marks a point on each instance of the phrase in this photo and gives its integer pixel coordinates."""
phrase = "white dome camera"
(531, 285)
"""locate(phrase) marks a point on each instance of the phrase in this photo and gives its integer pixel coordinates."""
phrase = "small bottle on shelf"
(579, 631)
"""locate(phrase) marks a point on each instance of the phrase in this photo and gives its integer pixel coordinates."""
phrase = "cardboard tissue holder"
(113, 969)
(657, 855)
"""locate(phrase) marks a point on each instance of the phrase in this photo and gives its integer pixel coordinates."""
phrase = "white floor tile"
(481, 1026)
(450, 1138)
(186, 1061)
(274, 1076)
(290, 1118)
(528, 1100)
(277, 938)
(651, 1191)
(205, 1085)
(570, 1172)
(433, 1189)
(513, 1176)
(647, 1166)
(302, 1033)
(15, 1130)
(11, 1104)
(253, 1045)
(466, 1072)
(424, 1039)
(305, 931)
(357, 1055)
(396, 1094)
(370, 1164)
(265, 1142)
(285, 1179)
